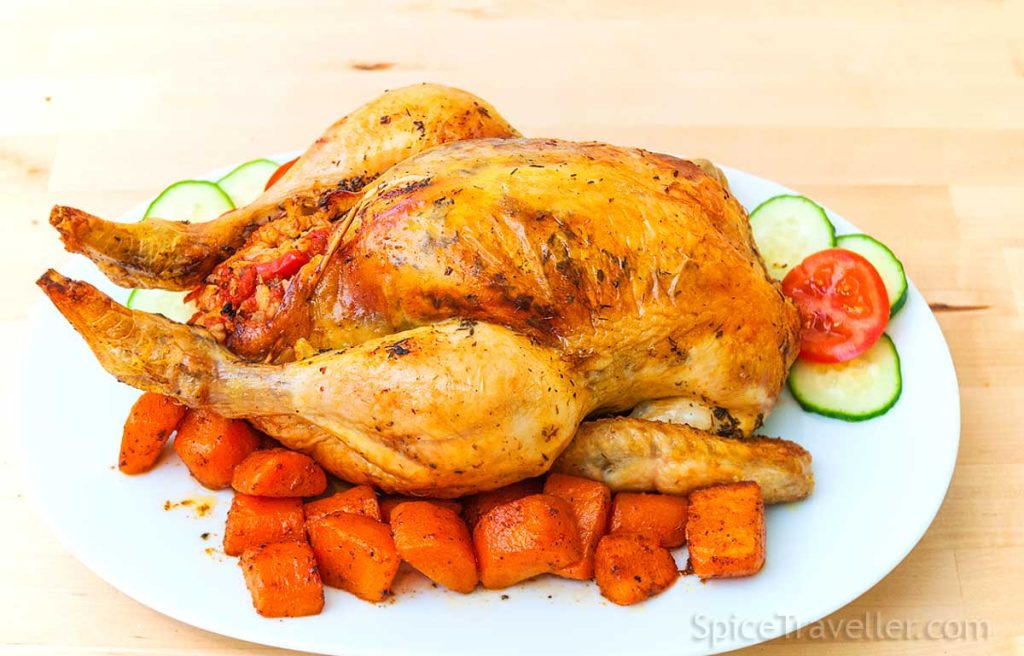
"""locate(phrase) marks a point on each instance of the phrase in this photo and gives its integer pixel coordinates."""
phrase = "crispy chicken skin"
(351, 153)
(638, 267)
(636, 454)
(472, 304)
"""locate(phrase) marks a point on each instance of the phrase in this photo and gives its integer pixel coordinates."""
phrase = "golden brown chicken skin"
(638, 267)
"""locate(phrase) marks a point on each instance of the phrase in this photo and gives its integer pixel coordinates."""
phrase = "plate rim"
(32, 484)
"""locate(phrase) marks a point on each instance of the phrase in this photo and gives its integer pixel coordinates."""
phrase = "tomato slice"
(281, 170)
(843, 305)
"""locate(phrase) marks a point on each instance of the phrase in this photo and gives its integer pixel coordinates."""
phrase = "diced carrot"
(359, 500)
(726, 531)
(355, 553)
(150, 423)
(283, 579)
(631, 567)
(388, 505)
(262, 520)
(435, 540)
(211, 446)
(660, 516)
(476, 506)
(279, 473)
(521, 539)
(591, 504)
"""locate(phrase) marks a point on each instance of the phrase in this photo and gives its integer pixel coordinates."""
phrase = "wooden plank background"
(907, 117)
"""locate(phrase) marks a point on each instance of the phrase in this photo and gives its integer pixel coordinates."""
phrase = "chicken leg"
(177, 254)
(421, 411)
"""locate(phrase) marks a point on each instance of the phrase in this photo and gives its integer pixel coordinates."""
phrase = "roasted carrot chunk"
(359, 500)
(725, 531)
(435, 540)
(212, 446)
(591, 503)
(388, 505)
(279, 473)
(355, 553)
(476, 506)
(660, 516)
(150, 422)
(631, 567)
(524, 538)
(262, 520)
(283, 580)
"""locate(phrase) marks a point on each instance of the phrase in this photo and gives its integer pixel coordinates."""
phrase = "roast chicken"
(461, 318)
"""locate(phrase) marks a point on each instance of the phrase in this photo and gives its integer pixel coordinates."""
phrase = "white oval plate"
(883, 478)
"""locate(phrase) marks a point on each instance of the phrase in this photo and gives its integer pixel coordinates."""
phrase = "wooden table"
(906, 117)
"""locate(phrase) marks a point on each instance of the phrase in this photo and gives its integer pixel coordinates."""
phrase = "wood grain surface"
(906, 117)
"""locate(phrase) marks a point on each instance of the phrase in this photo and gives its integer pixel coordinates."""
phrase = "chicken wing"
(637, 454)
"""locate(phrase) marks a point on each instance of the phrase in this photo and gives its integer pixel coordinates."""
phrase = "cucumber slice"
(247, 181)
(789, 228)
(890, 268)
(190, 200)
(160, 301)
(860, 389)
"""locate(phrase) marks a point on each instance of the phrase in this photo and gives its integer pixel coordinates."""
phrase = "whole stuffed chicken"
(459, 317)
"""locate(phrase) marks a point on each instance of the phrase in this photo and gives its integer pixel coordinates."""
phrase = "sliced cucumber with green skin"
(789, 228)
(860, 389)
(190, 200)
(890, 268)
(160, 301)
(247, 181)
